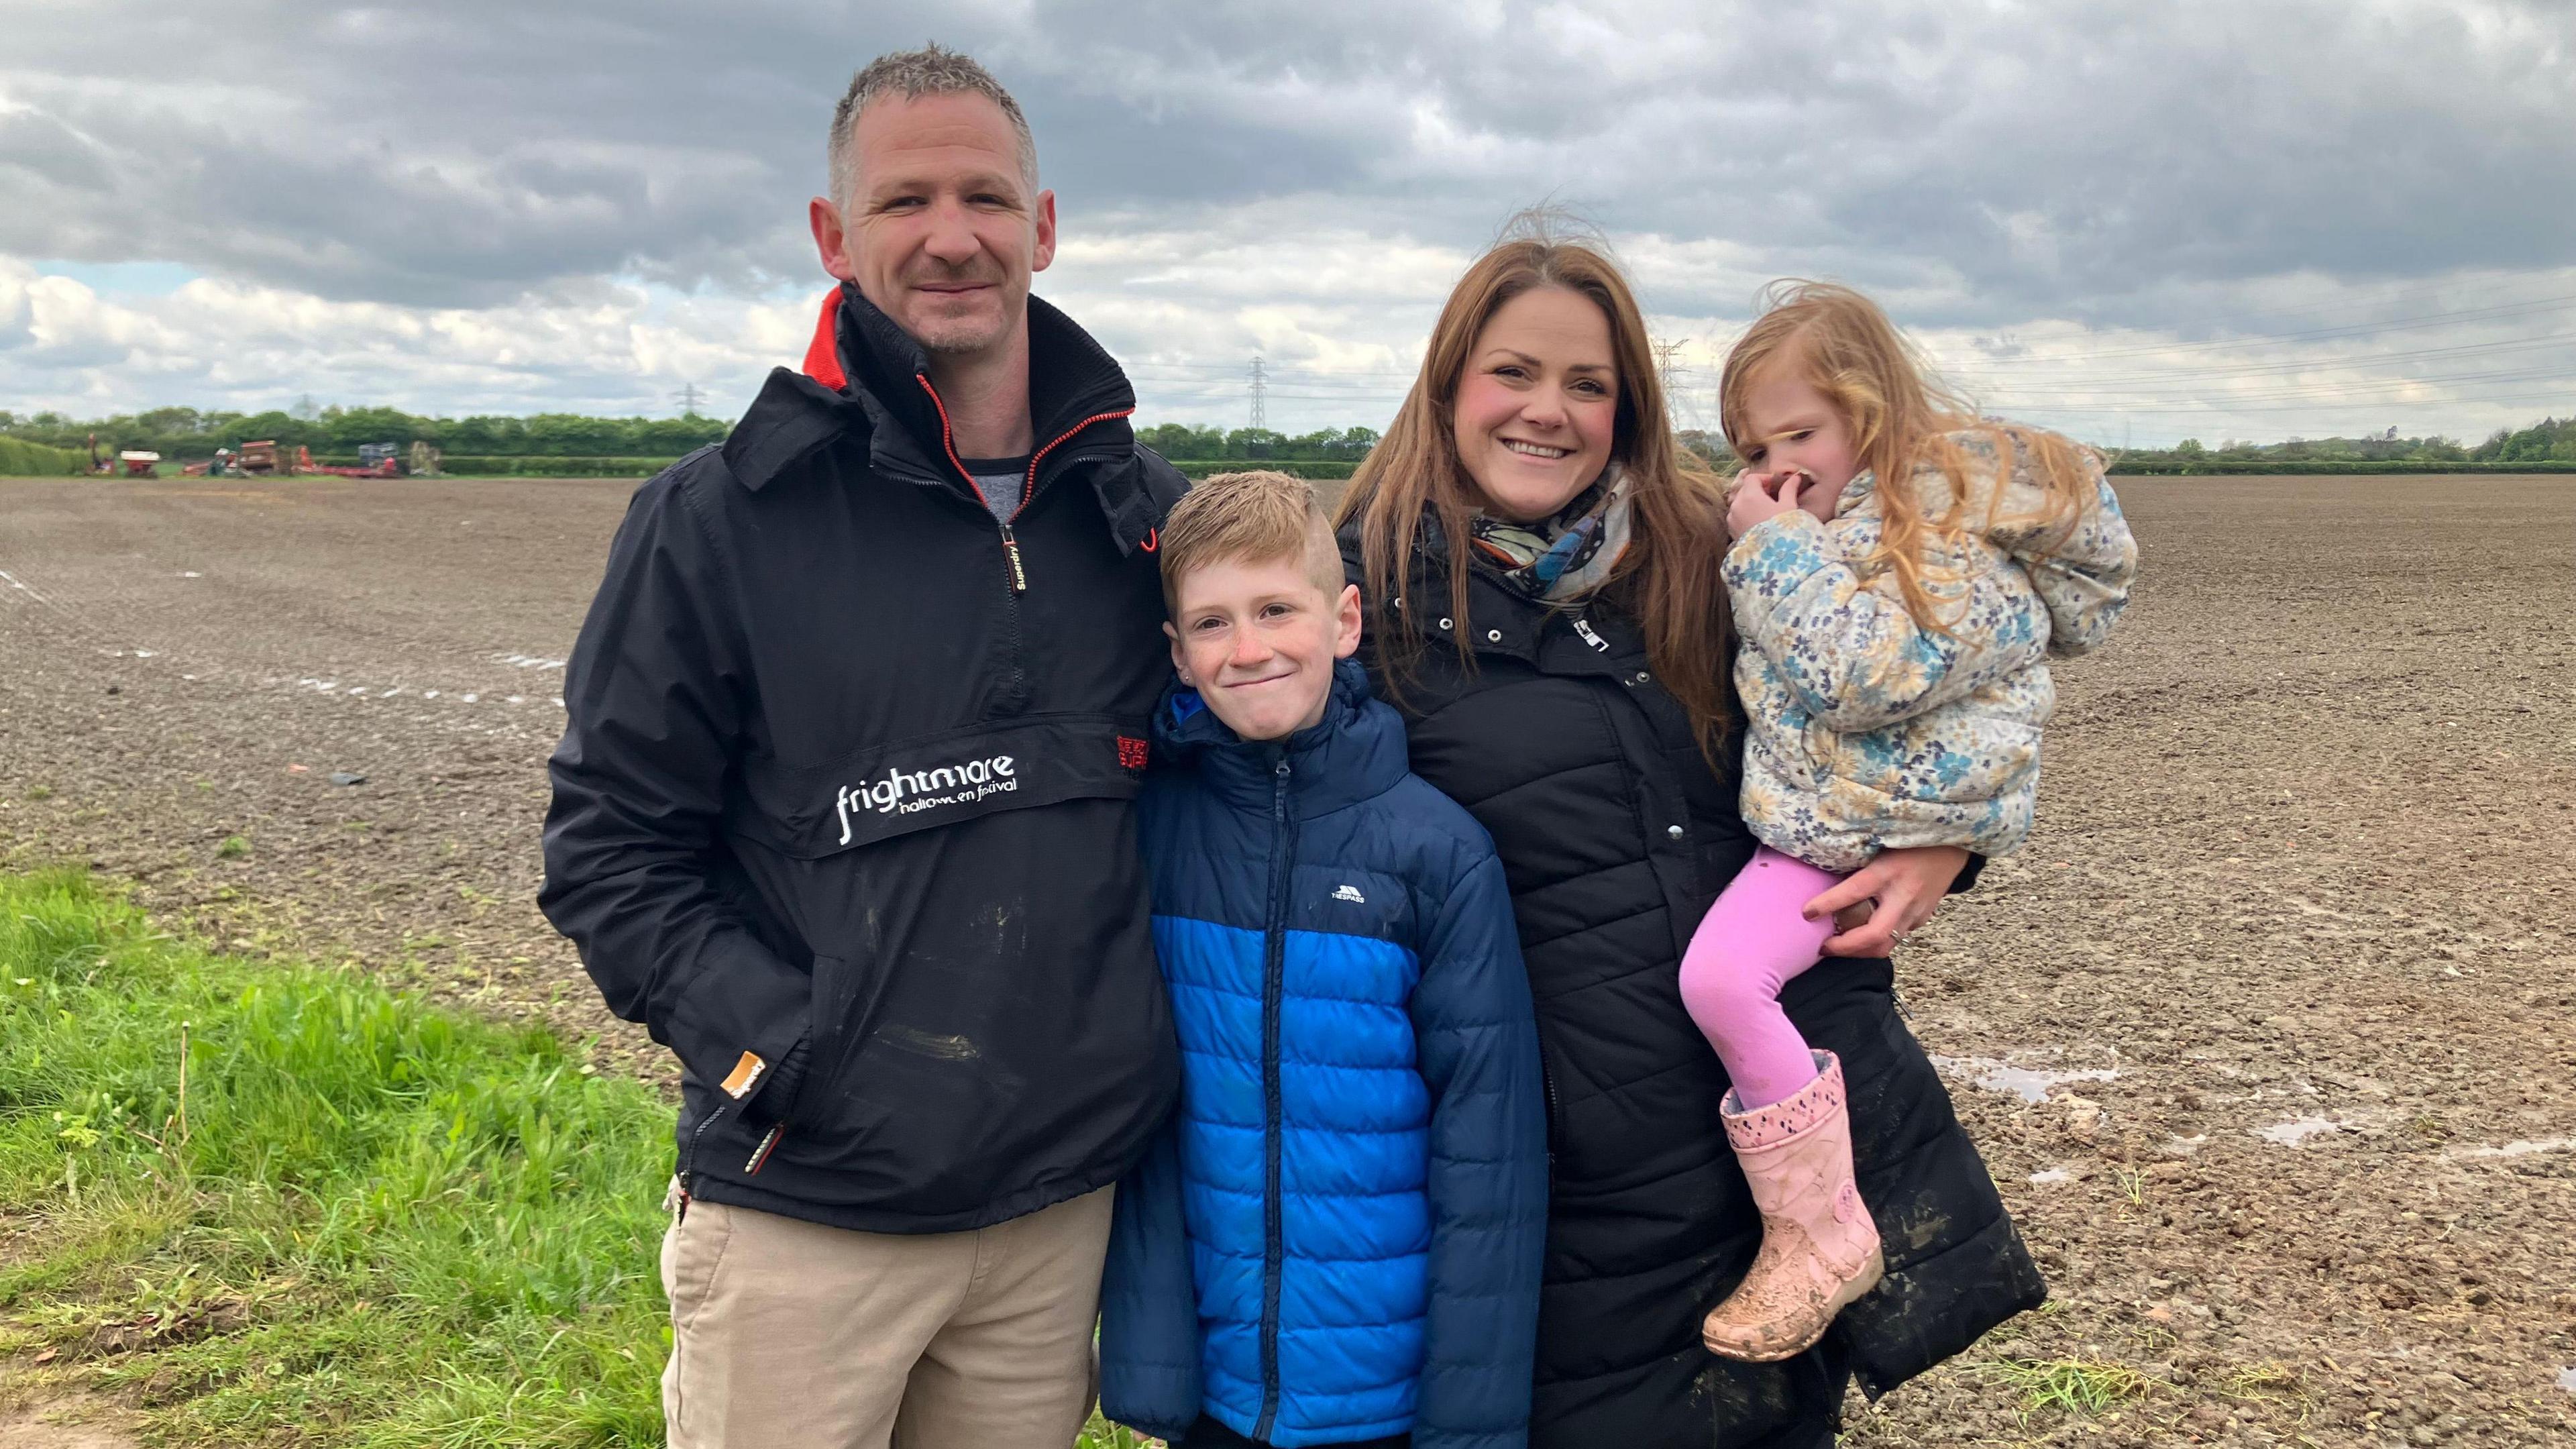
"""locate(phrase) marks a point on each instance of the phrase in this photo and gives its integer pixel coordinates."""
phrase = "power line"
(2563, 396)
(2322, 392)
(2538, 306)
(2359, 297)
(2520, 344)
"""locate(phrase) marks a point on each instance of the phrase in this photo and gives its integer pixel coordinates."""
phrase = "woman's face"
(1537, 404)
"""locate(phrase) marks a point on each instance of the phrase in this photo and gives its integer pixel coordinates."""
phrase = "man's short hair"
(1256, 517)
(933, 70)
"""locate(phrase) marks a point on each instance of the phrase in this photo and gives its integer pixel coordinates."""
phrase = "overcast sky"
(2137, 221)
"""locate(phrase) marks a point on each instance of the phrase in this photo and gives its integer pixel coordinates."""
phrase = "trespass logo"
(904, 792)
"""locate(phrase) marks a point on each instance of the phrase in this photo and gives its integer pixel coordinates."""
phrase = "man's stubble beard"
(962, 338)
(970, 335)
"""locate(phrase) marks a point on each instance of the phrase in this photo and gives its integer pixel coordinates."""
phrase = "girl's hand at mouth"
(1759, 497)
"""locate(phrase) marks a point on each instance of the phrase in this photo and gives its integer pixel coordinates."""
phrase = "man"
(844, 814)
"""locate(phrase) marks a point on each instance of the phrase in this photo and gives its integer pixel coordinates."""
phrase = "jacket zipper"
(690, 1157)
(1274, 971)
(1547, 1084)
(1028, 489)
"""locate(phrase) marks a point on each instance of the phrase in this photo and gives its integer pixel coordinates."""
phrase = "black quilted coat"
(1615, 836)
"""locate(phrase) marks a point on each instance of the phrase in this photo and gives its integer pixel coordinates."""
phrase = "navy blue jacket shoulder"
(844, 811)
(1339, 1237)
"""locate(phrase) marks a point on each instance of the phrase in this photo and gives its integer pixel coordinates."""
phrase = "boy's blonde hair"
(1839, 343)
(1260, 516)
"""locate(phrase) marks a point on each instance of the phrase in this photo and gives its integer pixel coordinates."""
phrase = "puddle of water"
(2297, 1130)
(2185, 1146)
(2028, 1083)
(2054, 1174)
(2523, 1148)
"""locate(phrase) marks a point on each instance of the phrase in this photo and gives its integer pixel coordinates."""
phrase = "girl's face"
(1538, 404)
(1789, 425)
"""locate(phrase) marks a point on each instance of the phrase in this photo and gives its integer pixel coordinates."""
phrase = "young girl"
(1901, 570)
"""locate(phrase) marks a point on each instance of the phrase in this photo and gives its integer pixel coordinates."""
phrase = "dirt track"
(2288, 972)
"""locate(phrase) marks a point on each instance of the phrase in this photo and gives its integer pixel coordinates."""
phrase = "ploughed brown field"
(2269, 1034)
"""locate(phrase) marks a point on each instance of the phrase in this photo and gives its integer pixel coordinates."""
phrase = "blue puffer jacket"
(1339, 1236)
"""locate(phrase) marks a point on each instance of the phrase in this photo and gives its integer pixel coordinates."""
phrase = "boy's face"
(1258, 641)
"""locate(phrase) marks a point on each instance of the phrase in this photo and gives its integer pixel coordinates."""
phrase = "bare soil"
(2267, 1034)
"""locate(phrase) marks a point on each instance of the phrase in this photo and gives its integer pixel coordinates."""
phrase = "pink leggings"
(1748, 946)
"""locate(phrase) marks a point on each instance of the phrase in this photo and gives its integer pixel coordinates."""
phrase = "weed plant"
(2076, 1386)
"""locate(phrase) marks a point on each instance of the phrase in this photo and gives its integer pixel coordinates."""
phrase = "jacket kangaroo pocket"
(899, 1074)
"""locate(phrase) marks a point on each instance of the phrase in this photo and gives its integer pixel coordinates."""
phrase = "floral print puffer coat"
(1869, 732)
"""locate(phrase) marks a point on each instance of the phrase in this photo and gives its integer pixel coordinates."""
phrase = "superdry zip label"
(1011, 552)
(1274, 973)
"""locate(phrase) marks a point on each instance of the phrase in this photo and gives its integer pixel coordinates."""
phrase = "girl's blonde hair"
(1901, 418)
(1668, 575)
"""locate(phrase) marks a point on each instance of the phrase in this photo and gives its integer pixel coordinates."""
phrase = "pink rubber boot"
(1819, 1247)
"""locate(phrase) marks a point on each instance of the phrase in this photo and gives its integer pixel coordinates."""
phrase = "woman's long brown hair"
(1668, 577)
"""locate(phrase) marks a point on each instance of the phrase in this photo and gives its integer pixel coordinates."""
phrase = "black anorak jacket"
(844, 812)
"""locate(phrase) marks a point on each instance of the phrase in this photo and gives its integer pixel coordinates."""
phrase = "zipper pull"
(1011, 554)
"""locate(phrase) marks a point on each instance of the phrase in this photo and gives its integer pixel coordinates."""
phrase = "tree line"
(2547, 441)
(190, 434)
(187, 433)
(178, 432)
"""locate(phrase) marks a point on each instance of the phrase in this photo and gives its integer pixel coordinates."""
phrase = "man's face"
(1258, 641)
(942, 233)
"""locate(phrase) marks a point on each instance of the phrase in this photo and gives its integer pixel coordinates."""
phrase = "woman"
(1541, 569)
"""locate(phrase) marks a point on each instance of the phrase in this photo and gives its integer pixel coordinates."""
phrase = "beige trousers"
(789, 1334)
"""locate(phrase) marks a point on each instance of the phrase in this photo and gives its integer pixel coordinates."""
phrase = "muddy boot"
(1819, 1248)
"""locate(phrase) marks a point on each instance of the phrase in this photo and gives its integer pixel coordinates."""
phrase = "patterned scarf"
(1565, 556)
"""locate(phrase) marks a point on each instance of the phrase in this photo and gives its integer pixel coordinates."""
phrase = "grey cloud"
(1993, 163)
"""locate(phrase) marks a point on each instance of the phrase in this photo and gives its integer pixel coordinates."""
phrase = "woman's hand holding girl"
(1907, 886)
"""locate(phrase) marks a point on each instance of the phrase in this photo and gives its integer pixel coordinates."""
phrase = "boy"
(1337, 1241)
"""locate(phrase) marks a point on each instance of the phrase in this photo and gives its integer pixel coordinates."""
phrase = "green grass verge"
(366, 1222)
(285, 1205)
